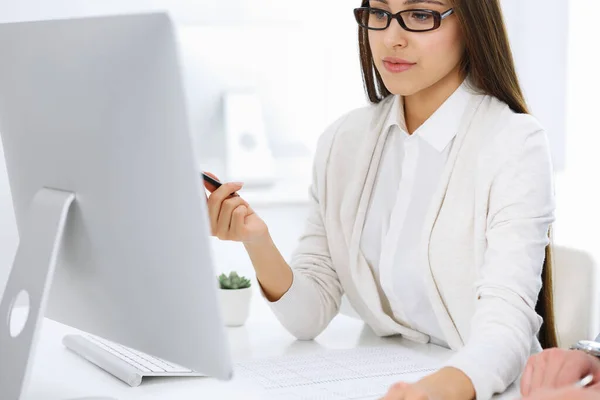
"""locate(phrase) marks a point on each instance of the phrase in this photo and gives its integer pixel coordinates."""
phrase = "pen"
(215, 182)
(211, 180)
(584, 381)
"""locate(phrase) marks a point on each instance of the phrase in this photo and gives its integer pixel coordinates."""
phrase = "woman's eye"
(420, 16)
(378, 14)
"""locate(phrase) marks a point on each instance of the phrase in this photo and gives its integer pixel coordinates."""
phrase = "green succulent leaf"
(233, 281)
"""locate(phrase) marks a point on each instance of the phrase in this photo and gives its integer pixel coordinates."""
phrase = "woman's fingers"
(224, 231)
(238, 221)
(215, 202)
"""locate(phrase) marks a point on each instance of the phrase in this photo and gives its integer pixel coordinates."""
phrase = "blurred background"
(290, 68)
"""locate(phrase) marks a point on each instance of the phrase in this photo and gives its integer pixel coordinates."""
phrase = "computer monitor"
(97, 141)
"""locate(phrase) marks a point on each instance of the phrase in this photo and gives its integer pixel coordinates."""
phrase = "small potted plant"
(235, 292)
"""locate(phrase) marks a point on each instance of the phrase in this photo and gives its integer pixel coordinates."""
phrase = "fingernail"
(238, 183)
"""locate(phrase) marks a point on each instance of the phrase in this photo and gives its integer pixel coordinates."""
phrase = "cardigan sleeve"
(521, 210)
(314, 298)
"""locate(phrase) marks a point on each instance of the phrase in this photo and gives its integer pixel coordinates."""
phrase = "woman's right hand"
(231, 217)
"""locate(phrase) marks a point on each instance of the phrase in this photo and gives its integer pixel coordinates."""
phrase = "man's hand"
(557, 368)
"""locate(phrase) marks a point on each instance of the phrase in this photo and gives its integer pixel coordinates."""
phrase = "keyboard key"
(142, 361)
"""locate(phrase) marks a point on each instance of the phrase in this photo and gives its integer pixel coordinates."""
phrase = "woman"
(430, 209)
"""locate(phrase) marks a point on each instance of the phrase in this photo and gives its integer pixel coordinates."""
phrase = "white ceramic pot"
(235, 305)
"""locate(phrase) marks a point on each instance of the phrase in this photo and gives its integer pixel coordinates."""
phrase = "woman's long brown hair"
(489, 63)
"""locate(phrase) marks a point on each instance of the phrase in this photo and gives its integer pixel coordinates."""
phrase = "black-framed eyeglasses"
(411, 20)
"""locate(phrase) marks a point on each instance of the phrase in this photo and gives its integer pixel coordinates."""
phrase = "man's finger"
(527, 376)
(537, 378)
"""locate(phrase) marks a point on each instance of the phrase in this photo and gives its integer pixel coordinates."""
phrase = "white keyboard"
(127, 364)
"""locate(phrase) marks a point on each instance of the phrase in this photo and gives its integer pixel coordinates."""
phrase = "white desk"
(58, 374)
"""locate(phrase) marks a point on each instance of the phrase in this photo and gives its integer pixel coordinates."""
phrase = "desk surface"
(59, 374)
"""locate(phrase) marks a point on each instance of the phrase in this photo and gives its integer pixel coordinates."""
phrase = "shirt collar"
(441, 128)
(396, 115)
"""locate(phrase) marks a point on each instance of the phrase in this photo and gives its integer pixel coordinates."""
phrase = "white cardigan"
(483, 239)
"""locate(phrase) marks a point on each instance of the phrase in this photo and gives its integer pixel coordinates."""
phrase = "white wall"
(538, 30)
(188, 11)
(578, 186)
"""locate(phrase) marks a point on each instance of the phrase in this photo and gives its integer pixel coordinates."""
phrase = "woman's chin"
(403, 89)
(402, 86)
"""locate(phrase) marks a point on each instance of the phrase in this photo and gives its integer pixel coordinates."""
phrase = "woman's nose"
(395, 35)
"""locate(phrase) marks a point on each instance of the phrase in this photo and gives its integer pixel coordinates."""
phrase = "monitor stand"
(32, 272)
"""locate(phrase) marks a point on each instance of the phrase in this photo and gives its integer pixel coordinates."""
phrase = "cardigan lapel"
(469, 123)
(357, 195)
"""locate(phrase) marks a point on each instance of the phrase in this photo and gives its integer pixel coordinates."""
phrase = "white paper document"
(361, 373)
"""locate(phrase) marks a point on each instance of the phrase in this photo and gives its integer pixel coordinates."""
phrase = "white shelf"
(290, 185)
(280, 194)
